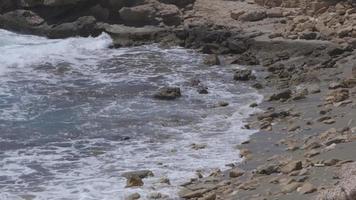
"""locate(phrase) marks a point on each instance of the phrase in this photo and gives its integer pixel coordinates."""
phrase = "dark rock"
(202, 89)
(168, 93)
(243, 75)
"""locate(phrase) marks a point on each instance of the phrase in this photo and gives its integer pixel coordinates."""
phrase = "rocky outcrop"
(64, 18)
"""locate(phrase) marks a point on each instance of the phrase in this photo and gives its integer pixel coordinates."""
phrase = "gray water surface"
(75, 114)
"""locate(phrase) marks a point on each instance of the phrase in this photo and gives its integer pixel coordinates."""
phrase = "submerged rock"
(134, 181)
(140, 173)
(244, 75)
(168, 93)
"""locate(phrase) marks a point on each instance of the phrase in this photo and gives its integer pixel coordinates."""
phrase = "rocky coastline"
(298, 54)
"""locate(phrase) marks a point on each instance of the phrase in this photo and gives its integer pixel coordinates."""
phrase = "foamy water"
(75, 115)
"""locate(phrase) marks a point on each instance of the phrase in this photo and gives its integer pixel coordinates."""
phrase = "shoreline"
(308, 126)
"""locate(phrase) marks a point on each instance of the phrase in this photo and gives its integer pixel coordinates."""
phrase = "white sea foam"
(89, 167)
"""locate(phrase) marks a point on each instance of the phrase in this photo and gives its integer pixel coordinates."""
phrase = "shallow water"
(75, 114)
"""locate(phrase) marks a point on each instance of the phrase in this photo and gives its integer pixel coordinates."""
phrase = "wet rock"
(306, 188)
(165, 180)
(246, 58)
(140, 173)
(156, 195)
(243, 75)
(284, 95)
(257, 86)
(212, 59)
(253, 105)
(133, 196)
(245, 152)
(198, 146)
(168, 93)
(234, 173)
(292, 166)
(223, 104)
(202, 89)
(134, 181)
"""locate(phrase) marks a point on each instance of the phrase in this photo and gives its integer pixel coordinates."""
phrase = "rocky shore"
(299, 54)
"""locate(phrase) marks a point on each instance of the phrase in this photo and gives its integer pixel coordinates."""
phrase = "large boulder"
(83, 26)
(139, 15)
(21, 21)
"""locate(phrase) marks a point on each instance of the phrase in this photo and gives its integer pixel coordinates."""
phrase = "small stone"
(253, 105)
(234, 173)
(198, 146)
(306, 188)
(223, 103)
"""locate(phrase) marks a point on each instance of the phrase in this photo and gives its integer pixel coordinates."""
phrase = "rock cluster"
(62, 18)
